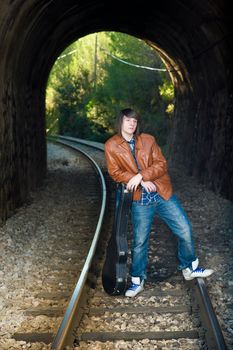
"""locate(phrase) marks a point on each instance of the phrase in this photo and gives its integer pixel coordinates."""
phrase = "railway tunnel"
(192, 37)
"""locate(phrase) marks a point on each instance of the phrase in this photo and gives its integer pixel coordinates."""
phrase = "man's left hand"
(149, 186)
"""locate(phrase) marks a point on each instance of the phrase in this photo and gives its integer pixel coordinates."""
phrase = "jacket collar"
(121, 141)
(138, 144)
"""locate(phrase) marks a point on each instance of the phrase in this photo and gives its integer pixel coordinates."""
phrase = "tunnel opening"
(194, 39)
(102, 73)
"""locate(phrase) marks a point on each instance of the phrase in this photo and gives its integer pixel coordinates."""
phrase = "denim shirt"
(146, 197)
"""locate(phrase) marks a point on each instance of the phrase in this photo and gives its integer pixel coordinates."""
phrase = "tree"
(89, 85)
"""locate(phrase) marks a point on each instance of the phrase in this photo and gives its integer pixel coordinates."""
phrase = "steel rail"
(212, 330)
(92, 144)
(65, 336)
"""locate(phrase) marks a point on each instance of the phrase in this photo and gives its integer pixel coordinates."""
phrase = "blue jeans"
(174, 216)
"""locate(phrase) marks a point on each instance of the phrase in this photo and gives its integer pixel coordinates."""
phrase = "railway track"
(170, 313)
(61, 276)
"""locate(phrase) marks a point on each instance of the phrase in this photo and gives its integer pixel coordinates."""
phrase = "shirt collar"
(132, 141)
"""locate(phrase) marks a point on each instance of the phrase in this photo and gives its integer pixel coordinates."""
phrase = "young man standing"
(136, 160)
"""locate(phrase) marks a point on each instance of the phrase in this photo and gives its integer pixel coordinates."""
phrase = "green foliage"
(167, 94)
(87, 87)
(167, 91)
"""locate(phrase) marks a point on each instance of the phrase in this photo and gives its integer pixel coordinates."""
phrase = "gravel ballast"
(29, 237)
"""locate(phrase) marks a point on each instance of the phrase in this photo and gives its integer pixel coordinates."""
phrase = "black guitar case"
(114, 272)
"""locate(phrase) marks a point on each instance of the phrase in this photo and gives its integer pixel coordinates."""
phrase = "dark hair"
(129, 113)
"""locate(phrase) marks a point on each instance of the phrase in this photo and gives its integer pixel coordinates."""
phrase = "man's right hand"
(134, 182)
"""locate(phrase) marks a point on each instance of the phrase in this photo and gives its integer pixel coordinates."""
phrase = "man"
(136, 160)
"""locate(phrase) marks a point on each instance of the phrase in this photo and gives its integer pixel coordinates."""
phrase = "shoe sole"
(189, 278)
(131, 296)
(192, 277)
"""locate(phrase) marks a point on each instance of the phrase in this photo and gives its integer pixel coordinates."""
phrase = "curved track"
(169, 310)
(52, 301)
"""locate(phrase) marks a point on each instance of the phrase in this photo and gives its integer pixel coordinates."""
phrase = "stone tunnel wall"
(193, 38)
(22, 127)
(203, 121)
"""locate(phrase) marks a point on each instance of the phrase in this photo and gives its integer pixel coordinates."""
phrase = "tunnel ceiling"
(192, 37)
(184, 30)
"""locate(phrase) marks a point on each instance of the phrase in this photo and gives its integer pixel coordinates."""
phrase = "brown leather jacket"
(122, 167)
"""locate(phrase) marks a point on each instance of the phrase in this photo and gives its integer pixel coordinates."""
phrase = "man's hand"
(134, 182)
(149, 186)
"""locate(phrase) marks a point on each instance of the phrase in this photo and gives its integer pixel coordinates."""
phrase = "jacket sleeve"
(158, 168)
(113, 167)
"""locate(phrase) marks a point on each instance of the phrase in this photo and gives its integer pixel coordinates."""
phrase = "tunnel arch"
(193, 39)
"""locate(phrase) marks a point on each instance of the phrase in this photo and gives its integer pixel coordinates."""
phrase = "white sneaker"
(195, 271)
(135, 288)
(195, 264)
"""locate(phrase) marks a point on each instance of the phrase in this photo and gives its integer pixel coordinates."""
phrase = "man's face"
(128, 126)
